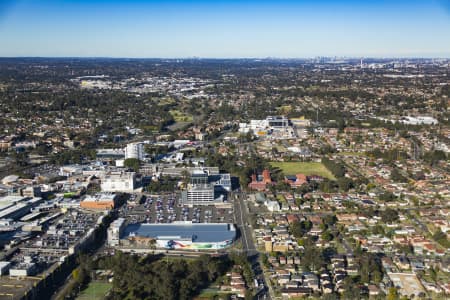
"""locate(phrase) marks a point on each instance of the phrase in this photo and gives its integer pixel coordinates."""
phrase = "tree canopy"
(153, 278)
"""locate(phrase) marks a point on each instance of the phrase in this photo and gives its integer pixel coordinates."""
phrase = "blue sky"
(263, 28)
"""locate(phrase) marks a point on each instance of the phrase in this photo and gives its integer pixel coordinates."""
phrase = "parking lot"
(15, 288)
(166, 208)
(45, 170)
(64, 231)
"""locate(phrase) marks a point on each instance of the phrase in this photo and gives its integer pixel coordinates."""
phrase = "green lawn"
(339, 247)
(352, 153)
(307, 168)
(178, 116)
(95, 291)
(281, 198)
(211, 293)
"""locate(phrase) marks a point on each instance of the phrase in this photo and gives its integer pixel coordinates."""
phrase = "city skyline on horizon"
(236, 58)
(225, 29)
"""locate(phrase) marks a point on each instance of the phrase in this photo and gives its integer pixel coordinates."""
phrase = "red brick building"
(260, 183)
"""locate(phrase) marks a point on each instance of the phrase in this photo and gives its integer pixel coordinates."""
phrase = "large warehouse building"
(203, 236)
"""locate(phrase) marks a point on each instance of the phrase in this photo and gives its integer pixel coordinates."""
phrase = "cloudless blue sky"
(258, 28)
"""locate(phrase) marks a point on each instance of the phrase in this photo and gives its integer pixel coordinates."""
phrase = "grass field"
(284, 109)
(211, 293)
(166, 101)
(178, 116)
(352, 153)
(307, 168)
(95, 291)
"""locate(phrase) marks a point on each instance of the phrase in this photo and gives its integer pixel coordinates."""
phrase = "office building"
(134, 150)
(205, 189)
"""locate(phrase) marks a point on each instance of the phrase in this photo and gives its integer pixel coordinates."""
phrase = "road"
(242, 219)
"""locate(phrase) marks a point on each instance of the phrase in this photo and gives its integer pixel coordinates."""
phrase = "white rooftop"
(10, 179)
(100, 197)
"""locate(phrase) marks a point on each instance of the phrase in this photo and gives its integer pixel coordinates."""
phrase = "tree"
(387, 196)
(332, 296)
(327, 236)
(153, 278)
(313, 259)
(185, 176)
(441, 238)
(282, 186)
(377, 276)
(43, 149)
(299, 229)
(328, 186)
(370, 268)
(20, 158)
(336, 168)
(378, 229)
(389, 215)
(406, 249)
(329, 220)
(397, 176)
(132, 163)
(434, 156)
(345, 183)
(76, 274)
(434, 273)
(352, 291)
(370, 186)
(392, 294)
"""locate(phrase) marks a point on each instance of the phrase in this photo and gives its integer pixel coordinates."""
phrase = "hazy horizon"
(235, 58)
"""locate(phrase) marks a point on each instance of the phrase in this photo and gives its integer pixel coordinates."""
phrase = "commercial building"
(71, 170)
(205, 189)
(31, 191)
(4, 267)
(115, 231)
(135, 150)
(177, 144)
(23, 270)
(278, 122)
(5, 145)
(110, 153)
(27, 267)
(425, 120)
(273, 126)
(99, 201)
(15, 207)
(199, 194)
(174, 171)
(211, 236)
(10, 179)
(221, 181)
(301, 122)
(119, 182)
